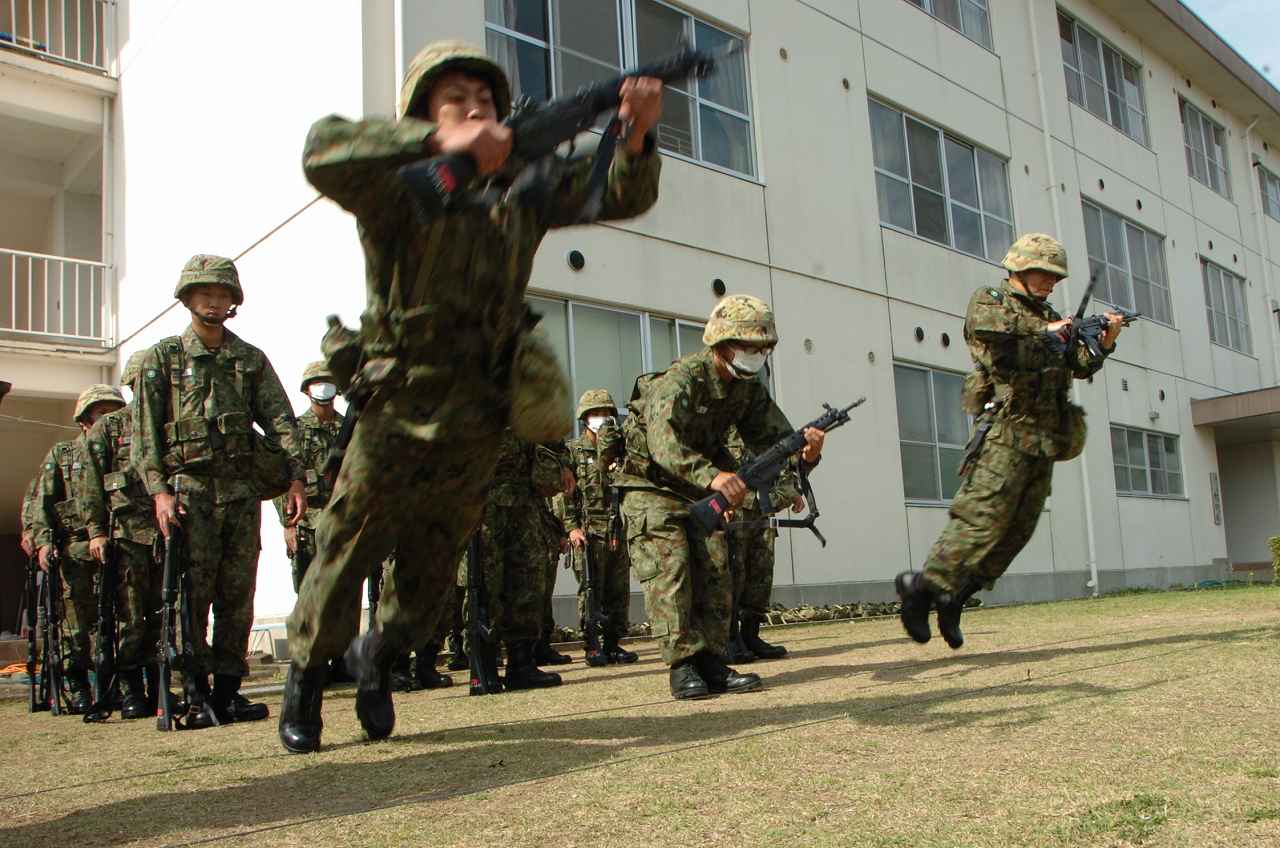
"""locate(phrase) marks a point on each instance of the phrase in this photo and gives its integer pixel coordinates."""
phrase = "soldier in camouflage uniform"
(119, 513)
(449, 358)
(27, 541)
(59, 523)
(556, 544)
(588, 517)
(1020, 390)
(198, 456)
(675, 438)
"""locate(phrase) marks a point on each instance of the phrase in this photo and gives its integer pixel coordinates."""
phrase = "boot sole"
(696, 695)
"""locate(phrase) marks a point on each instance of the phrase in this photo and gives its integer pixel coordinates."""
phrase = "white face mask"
(322, 392)
(746, 364)
(595, 422)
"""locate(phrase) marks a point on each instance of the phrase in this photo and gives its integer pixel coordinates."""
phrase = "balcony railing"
(75, 32)
(54, 299)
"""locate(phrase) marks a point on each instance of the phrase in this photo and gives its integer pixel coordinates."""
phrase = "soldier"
(449, 358)
(675, 438)
(200, 459)
(589, 519)
(27, 541)
(1020, 389)
(556, 545)
(119, 512)
(59, 528)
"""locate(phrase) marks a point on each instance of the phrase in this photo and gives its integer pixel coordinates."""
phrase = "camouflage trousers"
(78, 610)
(222, 545)
(396, 491)
(684, 573)
(514, 551)
(304, 552)
(613, 582)
(751, 559)
(549, 590)
(992, 517)
(139, 583)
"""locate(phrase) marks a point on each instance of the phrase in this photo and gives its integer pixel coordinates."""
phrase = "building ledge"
(1240, 418)
(59, 73)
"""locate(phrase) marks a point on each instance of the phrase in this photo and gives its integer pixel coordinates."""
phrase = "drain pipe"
(1272, 306)
(1046, 137)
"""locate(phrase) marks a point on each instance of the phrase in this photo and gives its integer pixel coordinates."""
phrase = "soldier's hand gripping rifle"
(104, 654)
(36, 702)
(1087, 331)
(761, 473)
(482, 638)
(537, 129)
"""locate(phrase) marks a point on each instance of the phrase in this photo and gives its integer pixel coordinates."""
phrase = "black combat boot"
(197, 708)
(544, 654)
(721, 678)
(949, 613)
(737, 649)
(686, 683)
(402, 674)
(750, 630)
(133, 695)
(338, 673)
(615, 653)
(522, 673)
(230, 706)
(300, 721)
(424, 668)
(369, 658)
(457, 655)
(918, 596)
(78, 689)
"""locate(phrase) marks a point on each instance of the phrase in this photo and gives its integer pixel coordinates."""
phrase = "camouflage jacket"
(58, 513)
(445, 296)
(29, 501)
(1005, 333)
(194, 417)
(115, 501)
(679, 424)
(784, 489)
(315, 439)
(593, 462)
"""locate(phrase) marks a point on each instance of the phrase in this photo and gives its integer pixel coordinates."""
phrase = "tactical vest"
(123, 487)
(71, 523)
(315, 447)
(192, 443)
(638, 463)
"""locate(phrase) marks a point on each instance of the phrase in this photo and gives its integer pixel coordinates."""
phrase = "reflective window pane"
(675, 126)
(953, 423)
(999, 238)
(915, 410)
(962, 178)
(607, 352)
(589, 28)
(1093, 232)
(660, 31)
(555, 320)
(931, 215)
(527, 65)
(894, 198)
(528, 17)
(926, 158)
(975, 22)
(662, 343)
(993, 175)
(950, 459)
(888, 144)
(690, 336)
(920, 472)
(968, 229)
(947, 11)
(728, 85)
(1122, 478)
(726, 140)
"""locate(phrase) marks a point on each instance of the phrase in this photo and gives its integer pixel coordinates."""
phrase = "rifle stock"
(482, 650)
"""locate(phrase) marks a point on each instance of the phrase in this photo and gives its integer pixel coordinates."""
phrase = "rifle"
(594, 619)
(761, 472)
(52, 683)
(482, 650)
(1087, 331)
(537, 129)
(35, 702)
(175, 624)
(104, 655)
(374, 591)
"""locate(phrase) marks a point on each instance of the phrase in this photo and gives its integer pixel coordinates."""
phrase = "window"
(1225, 300)
(1146, 463)
(939, 187)
(932, 431)
(1101, 80)
(1206, 145)
(971, 17)
(1128, 263)
(551, 48)
(1269, 183)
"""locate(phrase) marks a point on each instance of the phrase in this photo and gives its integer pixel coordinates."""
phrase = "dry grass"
(1139, 720)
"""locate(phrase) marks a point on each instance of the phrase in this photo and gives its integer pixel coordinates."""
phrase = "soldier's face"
(210, 304)
(93, 413)
(1039, 284)
(458, 97)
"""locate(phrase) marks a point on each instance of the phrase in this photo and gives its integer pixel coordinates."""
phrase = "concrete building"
(863, 167)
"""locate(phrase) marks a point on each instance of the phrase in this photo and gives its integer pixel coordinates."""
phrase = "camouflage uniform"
(193, 429)
(316, 437)
(1021, 387)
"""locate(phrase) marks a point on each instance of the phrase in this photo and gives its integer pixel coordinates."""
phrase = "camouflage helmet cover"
(318, 370)
(440, 57)
(595, 399)
(133, 367)
(100, 393)
(206, 270)
(742, 318)
(1037, 250)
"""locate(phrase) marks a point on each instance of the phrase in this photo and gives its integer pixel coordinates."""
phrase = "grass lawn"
(1144, 719)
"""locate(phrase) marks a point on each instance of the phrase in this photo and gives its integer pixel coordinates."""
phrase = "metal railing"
(54, 299)
(76, 32)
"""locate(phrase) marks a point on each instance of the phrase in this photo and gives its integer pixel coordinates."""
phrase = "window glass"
(690, 338)
(662, 343)
(1227, 306)
(961, 176)
(920, 472)
(728, 85)
(527, 17)
(726, 140)
(915, 411)
(933, 429)
(527, 65)
(555, 321)
(607, 350)
(888, 146)
(895, 202)
(926, 162)
(1146, 463)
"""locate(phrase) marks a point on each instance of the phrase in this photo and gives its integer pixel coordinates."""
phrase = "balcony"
(54, 299)
(78, 33)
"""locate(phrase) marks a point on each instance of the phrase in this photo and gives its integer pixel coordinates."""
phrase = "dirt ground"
(1143, 719)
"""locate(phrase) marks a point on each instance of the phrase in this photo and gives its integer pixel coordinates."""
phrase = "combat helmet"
(440, 57)
(316, 371)
(133, 367)
(595, 399)
(100, 393)
(207, 270)
(740, 318)
(1037, 250)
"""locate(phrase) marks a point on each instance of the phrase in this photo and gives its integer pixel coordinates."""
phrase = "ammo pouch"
(121, 491)
(541, 405)
(272, 475)
(68, 513)
(1072, 434)
(317, 488)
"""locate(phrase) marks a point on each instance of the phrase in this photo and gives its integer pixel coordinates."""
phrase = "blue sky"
(1252, 27)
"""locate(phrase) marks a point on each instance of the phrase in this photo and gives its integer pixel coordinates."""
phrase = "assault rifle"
(537, 129)
(482, 650)
(762, 472)
(594, 620)
(104, 654)
(36, 702)
(1087, 331)
(178, 624)
(52, 685)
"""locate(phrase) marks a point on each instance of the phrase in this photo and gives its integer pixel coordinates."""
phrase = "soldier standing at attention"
(675, 438)
(119, 513)
(449, 359)
(1020, 389)
(193, 419)
(58, 524)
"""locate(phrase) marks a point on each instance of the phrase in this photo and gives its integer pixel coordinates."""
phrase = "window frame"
(1227, 296)
(1124, 107)
(1127, 223)
(947, 198)
(1269, 188)
(1187, 110)
(1148, 467)
(928, 7)
(937, 444)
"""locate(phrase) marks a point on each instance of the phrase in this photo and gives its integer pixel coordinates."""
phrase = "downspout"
(1046, 137)
(1262, 251)
(108, 233)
